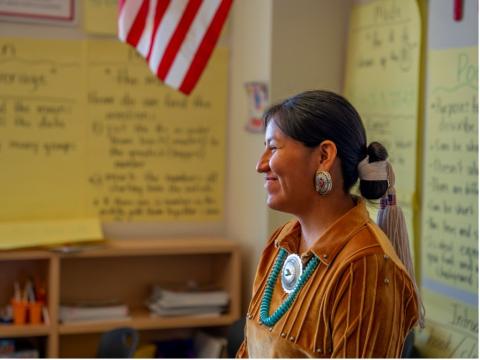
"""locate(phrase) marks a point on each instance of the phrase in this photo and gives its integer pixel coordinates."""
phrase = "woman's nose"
(262, 164)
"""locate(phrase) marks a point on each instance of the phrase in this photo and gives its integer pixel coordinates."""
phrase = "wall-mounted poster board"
(86, 130)
(449, 241)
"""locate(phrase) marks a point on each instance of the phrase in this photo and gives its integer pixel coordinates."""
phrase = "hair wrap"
(372, 171)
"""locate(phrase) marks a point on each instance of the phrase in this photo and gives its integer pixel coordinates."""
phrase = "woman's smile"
(270, 182)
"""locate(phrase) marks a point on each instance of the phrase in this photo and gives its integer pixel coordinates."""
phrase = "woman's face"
(289, 168)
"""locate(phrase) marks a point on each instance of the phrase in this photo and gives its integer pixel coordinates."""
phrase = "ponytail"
(377, 180)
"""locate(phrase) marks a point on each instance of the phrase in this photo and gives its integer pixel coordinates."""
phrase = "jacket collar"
(332, 240)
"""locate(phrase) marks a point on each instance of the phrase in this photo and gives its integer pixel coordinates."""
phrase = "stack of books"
(92, 311)
(176, 303)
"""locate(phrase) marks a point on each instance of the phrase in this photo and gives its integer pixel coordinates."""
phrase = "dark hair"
(318, 115)
(374, 189)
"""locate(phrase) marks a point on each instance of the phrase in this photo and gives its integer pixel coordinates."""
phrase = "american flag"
(176, 37)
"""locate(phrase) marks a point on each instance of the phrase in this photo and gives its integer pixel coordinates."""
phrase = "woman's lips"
(270, 181)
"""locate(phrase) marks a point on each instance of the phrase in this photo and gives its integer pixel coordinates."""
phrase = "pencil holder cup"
(19, 310)
(35, 311)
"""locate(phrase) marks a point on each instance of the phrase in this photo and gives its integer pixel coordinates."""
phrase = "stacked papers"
(175, 303)
(69, 314)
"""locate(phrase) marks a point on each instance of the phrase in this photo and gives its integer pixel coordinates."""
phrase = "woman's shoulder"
(371, 244)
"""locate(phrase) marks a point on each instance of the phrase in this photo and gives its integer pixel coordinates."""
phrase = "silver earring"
(323, 182)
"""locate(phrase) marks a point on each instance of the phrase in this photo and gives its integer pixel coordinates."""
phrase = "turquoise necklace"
(272, 278)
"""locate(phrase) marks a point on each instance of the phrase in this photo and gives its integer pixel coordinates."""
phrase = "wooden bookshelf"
(9, 331)
(147, 322)
(124, 270)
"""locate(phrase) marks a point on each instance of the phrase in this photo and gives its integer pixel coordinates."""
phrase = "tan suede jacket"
(359, 301)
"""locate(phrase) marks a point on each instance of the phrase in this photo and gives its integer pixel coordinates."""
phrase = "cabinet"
(123, 270)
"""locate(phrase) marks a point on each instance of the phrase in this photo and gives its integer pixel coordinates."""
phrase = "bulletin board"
(87, 131)
(431, 137)
(449, 241)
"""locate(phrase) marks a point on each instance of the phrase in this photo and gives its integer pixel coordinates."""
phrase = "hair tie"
(372, 171)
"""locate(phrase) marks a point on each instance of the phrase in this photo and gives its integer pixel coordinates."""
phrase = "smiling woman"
(329, 283)
(285, 162)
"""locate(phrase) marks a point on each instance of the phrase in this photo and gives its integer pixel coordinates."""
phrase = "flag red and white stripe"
(176, 37)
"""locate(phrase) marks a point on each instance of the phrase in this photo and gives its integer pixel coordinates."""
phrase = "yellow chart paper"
(100, 16)
(451, 328)
(382, 75)
(450, 206)
(42, 137)
(40, 233)
(87, 131)
(154, 153)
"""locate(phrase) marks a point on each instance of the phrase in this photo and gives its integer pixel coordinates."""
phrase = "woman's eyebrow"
(270, 139)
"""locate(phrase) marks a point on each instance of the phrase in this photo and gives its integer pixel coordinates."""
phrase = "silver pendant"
(291, 272)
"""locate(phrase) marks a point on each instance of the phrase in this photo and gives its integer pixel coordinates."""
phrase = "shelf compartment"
(129, 280)
(20, 271)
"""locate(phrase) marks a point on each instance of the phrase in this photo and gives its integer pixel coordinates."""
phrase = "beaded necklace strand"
(267, 295)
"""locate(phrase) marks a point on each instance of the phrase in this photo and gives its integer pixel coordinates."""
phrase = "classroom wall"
(308, 45)
(308, 53)
(246, 216)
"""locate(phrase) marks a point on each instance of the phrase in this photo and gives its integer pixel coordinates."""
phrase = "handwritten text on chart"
(41, 142)
(452, 328)
(159, 154)
(446, 342)
(450, 224)
(382, 78)
(86, 129)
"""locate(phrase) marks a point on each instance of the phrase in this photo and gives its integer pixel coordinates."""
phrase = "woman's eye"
(272, 148)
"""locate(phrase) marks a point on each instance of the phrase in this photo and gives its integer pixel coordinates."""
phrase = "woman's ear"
(328, 153)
